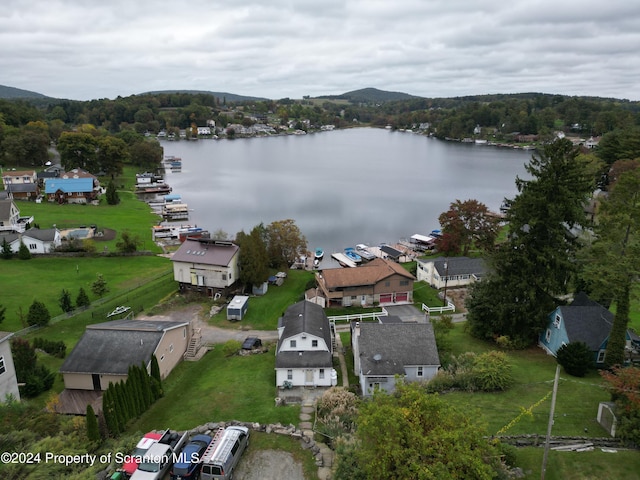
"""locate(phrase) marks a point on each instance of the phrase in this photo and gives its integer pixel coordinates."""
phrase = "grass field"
(219, 388)
(43, 278)
(263, 311)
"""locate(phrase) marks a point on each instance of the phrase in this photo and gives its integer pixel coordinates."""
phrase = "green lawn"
(264, 310)
(594, 465)
(219, 388)
(43, 278)
(534, 371)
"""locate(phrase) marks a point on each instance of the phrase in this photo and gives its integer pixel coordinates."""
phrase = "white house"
(206, 265)
(42, 241)
(450, 271)
(8, 379)
(384, 351)
(10, 219)
(304, 351)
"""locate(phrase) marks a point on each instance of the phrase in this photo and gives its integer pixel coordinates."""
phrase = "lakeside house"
(206, 265)
(74, 186)
(379, 281)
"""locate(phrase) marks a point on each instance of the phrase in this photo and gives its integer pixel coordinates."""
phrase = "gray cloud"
(84, 49)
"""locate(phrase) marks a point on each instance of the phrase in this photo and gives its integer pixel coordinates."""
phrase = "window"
(161, 358)
(420, 372)
(2, 367)
(601, 355)
(292, 343)
(547, 336)
(224, 276)
(314, 343)
(33, 246)
(321, 373)
(184, 332)
(289, 374)
(387, 283)
(556, 320)
(404, 283)
(171, 348)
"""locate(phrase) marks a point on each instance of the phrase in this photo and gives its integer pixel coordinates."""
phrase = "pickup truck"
(157, 461)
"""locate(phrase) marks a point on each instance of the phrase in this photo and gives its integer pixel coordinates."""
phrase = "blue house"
(76, 186)
(584, 320)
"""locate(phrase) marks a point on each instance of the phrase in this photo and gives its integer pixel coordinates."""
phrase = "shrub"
(492, 371)
(575, 358)
(57, 349)
(38, 314)
(231, 347)
(337, 409)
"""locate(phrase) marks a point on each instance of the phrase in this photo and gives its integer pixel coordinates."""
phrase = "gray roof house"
(382, 351)
(452, 271)
(584, 320)
(107, 350)
(8, 379)
(36, 240)
(305, 347)
(206, 265)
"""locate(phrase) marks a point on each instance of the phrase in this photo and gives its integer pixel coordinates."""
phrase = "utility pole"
(553, 407)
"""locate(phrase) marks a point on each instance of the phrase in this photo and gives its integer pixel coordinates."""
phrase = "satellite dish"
(377, 357)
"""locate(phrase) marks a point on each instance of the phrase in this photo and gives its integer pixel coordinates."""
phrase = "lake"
(360, 185)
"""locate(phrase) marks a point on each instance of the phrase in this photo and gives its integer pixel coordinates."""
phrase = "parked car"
(157, 461)
(251, 342)
(141, 448)
(187, 466)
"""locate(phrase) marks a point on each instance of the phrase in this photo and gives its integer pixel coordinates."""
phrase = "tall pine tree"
(533, 269)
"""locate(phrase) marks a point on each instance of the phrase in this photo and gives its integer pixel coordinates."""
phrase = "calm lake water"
(344, 187)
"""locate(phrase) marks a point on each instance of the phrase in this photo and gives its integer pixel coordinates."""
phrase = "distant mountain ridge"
(370, 95)
(12, 92)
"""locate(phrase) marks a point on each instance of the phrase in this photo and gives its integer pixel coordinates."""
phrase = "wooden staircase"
(195, 342)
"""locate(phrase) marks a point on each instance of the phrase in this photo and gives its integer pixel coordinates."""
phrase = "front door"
(96, 381)
(308, 376)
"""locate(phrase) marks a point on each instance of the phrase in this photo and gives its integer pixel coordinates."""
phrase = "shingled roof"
(590, 324)
(111, 347)
(368, 274)
(205, 251)
(304, 317)
(385, 349)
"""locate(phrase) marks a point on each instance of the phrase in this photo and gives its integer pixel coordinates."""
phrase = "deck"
(74, 402)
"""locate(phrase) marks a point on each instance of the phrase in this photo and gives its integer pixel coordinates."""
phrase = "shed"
(238, 307)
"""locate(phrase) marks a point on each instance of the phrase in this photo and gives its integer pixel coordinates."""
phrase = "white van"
(223, 453)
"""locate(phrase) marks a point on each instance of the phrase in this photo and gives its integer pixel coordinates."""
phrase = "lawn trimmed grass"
(42, 278)
(533, 371)
(218, 388)
(594, 465)
(264, 310)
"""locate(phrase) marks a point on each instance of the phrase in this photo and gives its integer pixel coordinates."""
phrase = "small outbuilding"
(238, 307)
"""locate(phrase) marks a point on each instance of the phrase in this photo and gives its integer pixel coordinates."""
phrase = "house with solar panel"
(74, 186)
(205, 265)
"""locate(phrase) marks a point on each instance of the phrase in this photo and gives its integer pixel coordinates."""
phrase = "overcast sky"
(87, 49)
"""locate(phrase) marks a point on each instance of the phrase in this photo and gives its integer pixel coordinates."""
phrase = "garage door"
(402, 297)
(386, 297)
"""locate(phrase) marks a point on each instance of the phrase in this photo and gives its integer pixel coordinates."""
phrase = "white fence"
(449, 308)
(358, 316)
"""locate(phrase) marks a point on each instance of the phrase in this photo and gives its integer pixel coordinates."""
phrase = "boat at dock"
(343, 260)
(319, 254)
(351, 254)
(175, 211)
(364, 252)
(157, 188)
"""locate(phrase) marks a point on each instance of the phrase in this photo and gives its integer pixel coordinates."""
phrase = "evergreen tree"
(38, 314)
(146, 387)
(99, 287)
(254, 259)
(82, 299)
(23, 252)
(65, 301)
(5, 251)
(93, 432)
(109, 410)
(123, 410)
(113, 198)
(533, 269)
(156, 379)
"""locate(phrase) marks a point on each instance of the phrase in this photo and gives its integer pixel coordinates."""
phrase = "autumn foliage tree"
(624, 385)
(285, 242)
(467, 224)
